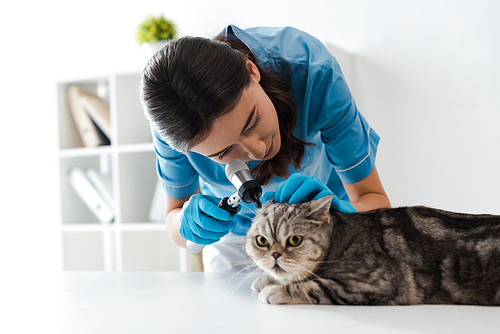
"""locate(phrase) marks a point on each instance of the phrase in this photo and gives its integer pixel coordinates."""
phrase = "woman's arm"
(367, 194)
(173, 219)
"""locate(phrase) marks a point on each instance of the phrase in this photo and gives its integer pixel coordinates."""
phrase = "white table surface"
(171, 302)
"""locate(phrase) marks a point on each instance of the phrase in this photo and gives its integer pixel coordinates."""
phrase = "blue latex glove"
(202, 221)
(302, 188)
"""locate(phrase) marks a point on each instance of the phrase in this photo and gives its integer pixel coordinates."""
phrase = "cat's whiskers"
(310, 272)
(245, 278)
(245, 266)
(301, 284)
(293, 266)
(299, 281)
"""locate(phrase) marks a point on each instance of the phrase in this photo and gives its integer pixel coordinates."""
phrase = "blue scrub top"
(345, 145)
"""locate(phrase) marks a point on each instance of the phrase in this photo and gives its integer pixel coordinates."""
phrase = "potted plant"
(155, 31)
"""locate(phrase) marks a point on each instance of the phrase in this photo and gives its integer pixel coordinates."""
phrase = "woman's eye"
(225, 153)
(261, 241)
(294, 240)
(250, 129)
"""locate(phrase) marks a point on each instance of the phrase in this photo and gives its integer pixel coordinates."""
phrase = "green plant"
(155, 28)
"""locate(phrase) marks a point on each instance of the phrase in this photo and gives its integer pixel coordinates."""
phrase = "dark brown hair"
(193, 81)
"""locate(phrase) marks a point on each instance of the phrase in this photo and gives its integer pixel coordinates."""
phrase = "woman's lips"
(271, 149)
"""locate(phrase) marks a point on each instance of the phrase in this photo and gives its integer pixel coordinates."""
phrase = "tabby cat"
(400, 256)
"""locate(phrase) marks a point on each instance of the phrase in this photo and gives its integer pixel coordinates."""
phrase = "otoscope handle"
(223, 204)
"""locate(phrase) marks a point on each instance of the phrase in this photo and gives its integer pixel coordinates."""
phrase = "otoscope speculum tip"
(250, 192)
(239, 174)
(258, 203)
(254, 198)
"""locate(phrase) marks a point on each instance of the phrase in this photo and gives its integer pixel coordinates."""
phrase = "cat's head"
(289, 241)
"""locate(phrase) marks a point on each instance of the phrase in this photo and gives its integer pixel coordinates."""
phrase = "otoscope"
(248, 190)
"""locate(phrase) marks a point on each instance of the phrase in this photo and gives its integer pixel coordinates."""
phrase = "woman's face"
(248, 132)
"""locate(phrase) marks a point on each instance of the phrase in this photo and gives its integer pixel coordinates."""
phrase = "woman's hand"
(202, 221)
(302, 188)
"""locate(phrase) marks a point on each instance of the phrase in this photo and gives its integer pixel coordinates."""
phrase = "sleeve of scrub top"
(178, 177)
(350, 143)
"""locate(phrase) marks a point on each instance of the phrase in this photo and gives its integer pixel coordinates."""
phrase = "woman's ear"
(254, 71)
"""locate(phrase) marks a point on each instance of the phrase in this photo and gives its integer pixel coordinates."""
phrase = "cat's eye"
(294, 240)
(261, 241)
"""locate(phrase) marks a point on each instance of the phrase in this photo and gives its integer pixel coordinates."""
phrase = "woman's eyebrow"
(249, 119)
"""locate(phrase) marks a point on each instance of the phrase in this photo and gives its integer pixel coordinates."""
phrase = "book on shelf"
(91, 196)
(98, 111)
(103, 185)
(91, 116)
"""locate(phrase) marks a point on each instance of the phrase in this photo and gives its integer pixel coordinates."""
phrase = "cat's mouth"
(278, 269)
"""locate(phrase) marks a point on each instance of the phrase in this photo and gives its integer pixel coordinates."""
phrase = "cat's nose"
(276, 255)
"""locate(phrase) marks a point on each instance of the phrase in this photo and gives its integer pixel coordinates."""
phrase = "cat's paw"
(259, 283)
(263, 281)
(295, 293)
(274, 294)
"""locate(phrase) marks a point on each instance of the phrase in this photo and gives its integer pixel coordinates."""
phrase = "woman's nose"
(255, 148)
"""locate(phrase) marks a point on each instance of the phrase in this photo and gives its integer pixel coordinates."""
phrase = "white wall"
(426, 77)
(427, 80)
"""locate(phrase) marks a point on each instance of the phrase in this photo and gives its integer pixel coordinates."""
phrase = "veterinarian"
(273, 97)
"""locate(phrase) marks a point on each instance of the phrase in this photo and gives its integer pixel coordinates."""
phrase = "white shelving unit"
(132, 241)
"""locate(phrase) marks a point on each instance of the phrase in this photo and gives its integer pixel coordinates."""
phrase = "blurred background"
(424, 73)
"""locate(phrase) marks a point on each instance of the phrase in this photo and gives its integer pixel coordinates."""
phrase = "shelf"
(83, 251)
(146, 226)
(156, 251)
(137, 179)
(131, 241)
(97, 227)
(87, 227)
(128, 124)
(136, 148)
(68, 132)
(131, 125)
(106, 149)
(85, 151)
(74, 210)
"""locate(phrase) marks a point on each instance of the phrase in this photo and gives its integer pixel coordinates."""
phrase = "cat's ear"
(320, 208)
